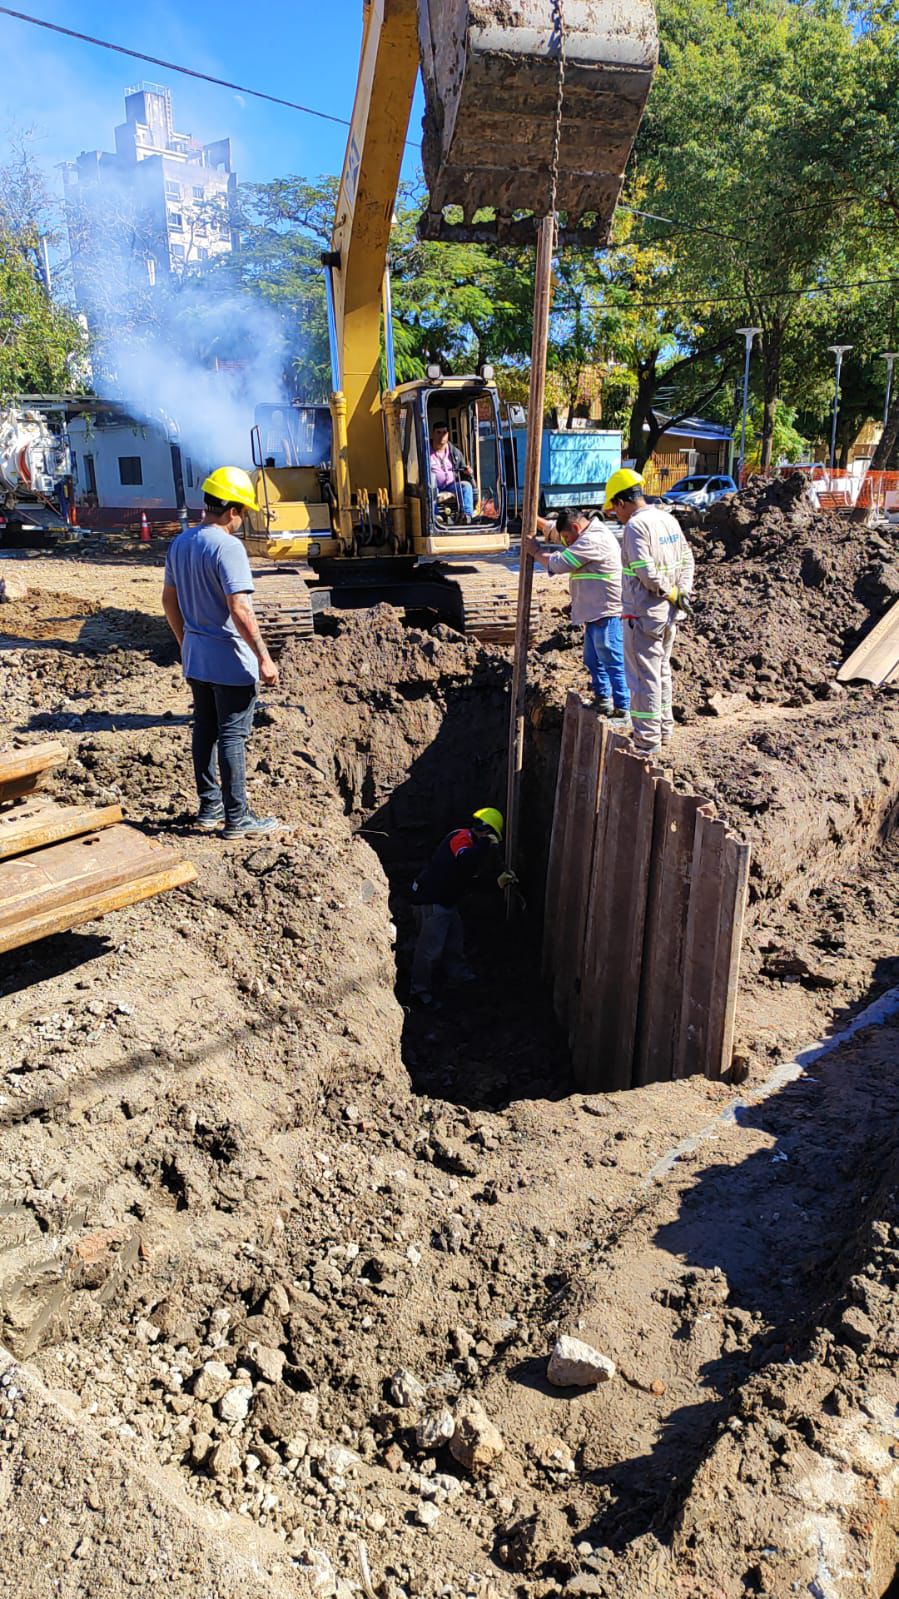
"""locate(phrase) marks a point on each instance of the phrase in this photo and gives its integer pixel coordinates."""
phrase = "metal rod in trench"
(536, 401)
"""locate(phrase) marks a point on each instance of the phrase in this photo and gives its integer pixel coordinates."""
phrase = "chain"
(558, 40)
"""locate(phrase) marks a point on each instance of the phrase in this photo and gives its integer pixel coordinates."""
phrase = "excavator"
(349, 513)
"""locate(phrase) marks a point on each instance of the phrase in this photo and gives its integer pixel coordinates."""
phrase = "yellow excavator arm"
(368, 185)
(491, 75)
(496, 74)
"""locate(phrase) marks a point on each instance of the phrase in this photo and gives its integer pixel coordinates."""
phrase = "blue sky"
(69, 96)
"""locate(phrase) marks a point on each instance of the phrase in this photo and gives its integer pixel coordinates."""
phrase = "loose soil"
(242, 1185)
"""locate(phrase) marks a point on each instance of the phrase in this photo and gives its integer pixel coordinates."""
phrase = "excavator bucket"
(491, 76)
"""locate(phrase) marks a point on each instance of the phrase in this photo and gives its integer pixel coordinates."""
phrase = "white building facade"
(158, 205)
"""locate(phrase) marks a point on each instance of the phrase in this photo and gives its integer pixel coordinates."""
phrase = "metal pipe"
(342, 470)
(332, 331)
(891, 357)
(839, 350)
(536, 404)
(387, 300)
(749, 335)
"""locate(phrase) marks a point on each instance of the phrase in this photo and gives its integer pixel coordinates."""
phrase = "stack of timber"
(645, 899)
(61, 865)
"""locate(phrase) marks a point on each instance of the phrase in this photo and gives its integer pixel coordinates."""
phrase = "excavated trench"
(288, 1204)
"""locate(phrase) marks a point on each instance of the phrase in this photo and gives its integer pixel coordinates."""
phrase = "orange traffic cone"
(144, 528)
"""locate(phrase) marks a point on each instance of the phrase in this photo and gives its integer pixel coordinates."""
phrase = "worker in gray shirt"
(207, 601)
(591, 560)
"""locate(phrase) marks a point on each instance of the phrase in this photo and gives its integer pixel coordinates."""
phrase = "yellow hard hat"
(624, 478)
(233, 486)
(491, 818)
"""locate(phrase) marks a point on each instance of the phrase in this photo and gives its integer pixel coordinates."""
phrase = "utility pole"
(749, 335)
(839, 350)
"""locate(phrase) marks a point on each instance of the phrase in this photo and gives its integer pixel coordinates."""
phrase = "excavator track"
(488, 599)
(283, 603)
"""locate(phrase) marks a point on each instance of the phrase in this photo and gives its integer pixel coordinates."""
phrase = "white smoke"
(207, 361)
(191, 351)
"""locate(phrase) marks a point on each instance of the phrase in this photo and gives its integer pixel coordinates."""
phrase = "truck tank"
(33, 458)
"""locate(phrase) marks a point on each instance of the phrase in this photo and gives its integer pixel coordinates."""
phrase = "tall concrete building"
(156, 207)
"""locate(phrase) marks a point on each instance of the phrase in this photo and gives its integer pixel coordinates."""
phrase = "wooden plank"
(29, 762)
(32, 884)
(723, 1002)
(19, 786)
(557, 843)
(667, 909)
(92, 906)
(573, 884)
(607, 1022)
(718, 889)
(38, 822)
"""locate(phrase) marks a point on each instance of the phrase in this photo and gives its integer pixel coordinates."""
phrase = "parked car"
(700, 489)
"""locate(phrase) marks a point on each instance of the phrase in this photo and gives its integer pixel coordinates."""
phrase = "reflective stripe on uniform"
(598, 577)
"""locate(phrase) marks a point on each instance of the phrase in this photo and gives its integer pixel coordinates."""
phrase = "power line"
(323, 116)
(728, 299)
(172, 66)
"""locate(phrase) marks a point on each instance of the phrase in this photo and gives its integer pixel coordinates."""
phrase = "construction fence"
(645, 899)
(844, 488)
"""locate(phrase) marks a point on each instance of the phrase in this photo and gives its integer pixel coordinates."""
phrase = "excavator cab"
(467, 517)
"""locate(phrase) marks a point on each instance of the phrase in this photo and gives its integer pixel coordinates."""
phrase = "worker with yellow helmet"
(658, 578)
(206, 597)
(464, 855)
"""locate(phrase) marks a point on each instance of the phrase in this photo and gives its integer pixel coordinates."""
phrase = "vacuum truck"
(35, 474)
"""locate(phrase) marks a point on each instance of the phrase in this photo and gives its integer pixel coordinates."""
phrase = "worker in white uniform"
(591, 560)
(657, 583)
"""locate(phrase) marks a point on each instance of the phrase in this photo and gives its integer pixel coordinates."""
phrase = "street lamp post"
(839, 350)
(749, 335)
(891, 357)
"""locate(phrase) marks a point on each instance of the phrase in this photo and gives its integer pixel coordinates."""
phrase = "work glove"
(679, 600)
(507, 879)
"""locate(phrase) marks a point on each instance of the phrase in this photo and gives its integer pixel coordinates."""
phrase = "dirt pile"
(784, 591)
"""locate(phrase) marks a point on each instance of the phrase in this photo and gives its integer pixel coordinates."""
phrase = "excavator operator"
(463, 856)
(451, 476)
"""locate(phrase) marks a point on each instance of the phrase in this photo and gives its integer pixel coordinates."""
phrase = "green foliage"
(37, 337)
(788, 443)
(40, 342)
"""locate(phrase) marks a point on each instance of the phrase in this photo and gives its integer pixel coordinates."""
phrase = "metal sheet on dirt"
(876, 660)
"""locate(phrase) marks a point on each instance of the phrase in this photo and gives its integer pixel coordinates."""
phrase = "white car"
(700, 489)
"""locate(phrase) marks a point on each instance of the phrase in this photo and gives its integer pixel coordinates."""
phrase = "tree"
(744, 142)
(39, 339)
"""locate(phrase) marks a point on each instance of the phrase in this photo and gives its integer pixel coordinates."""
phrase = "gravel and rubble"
(282, 1263)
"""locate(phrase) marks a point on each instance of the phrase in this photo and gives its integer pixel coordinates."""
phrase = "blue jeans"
(223, 717)
(464, 493)
(604, 659)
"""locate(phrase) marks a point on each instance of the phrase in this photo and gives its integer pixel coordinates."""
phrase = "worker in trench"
(591, 560)
(207, 601)
(657, 583)
(460, 859)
